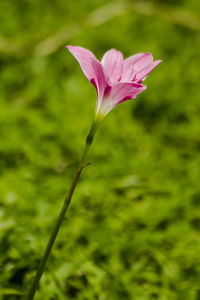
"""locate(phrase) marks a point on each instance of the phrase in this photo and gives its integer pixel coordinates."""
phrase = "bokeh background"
(133, 229)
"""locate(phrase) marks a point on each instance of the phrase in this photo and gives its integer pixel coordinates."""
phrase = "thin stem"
(63, 211)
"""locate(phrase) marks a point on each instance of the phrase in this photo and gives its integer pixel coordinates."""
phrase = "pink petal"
(90, 66)
(128, 71)
(99, 79)
(142, 62)
(135, 64)
(112, 63)
(123, 91)
(140, 76)
(85, 58)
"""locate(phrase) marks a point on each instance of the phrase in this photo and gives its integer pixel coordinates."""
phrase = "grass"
(132, 231)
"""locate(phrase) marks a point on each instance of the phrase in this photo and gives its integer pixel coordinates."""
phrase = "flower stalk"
(67, 201)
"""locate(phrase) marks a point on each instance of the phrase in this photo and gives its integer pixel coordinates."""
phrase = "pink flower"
(115, 79)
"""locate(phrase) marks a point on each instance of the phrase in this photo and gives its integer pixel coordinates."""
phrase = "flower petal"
(99, 79)
(135, 64)
(112, 63)
(140, 76)
(128, 72)
(85, 58)
(90, 66)
(125, 90)
(118, 93)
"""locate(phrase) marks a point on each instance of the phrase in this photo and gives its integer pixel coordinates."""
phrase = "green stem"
(63, 211)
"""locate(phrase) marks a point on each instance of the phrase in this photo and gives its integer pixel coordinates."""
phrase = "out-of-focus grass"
(132, 231)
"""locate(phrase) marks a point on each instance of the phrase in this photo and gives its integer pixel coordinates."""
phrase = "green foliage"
(132, 231)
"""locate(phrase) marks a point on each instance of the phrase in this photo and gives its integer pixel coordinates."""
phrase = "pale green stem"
(63, 211)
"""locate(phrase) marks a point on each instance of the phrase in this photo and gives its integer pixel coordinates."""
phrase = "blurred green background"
(133, 229)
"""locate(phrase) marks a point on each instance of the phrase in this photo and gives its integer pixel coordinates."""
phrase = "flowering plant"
(116, 80)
